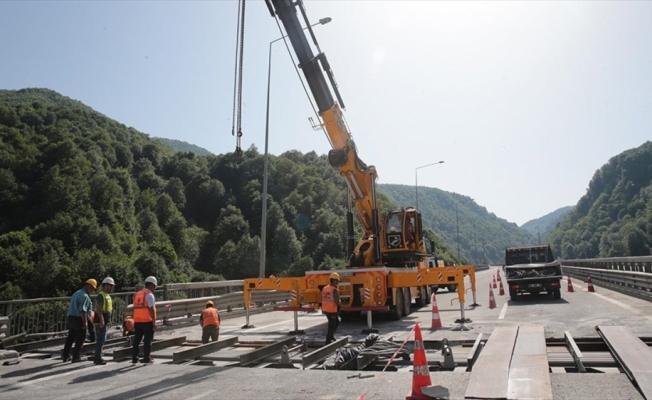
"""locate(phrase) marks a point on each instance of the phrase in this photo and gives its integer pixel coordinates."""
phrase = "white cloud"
(379, 54)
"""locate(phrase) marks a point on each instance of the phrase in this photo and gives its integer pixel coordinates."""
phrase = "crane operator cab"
(403, 236)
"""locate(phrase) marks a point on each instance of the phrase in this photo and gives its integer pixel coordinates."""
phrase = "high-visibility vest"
(107, 305)
(141, 311)
(328, 304)
(209, 317)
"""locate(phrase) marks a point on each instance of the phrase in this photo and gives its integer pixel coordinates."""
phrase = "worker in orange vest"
(144, 320)
(330, 306)
(210, 323)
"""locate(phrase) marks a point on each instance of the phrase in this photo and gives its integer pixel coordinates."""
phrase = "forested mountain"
(482, 235)
(540, 227)
(180, 145)
(82, 195)
(614, 217)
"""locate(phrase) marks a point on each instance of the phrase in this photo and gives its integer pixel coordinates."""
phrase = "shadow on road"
(524, 300)
(29, 371)
(102, 374)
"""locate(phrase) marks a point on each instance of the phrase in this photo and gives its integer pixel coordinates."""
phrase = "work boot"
(79, 359)
(65, 358)
(101, 361)
(146, 361)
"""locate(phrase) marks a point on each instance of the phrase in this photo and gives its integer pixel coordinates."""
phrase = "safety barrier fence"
(633, 283)
(630, 264)
(44, 317)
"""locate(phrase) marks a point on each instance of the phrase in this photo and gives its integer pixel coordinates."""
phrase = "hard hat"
(335, 275)
(92, 282)
(151, 279)
(108, 281)
(209, 303)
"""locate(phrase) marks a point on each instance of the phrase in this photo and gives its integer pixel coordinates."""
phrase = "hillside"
(614, 217)
(482, 235)
(82, 195)
(180, 145)
(540, 227)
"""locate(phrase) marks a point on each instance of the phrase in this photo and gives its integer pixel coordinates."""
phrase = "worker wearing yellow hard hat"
(210, 323)
(330, 305)
(78, 312)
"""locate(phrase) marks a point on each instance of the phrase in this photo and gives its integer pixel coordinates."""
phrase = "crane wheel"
(396, 311)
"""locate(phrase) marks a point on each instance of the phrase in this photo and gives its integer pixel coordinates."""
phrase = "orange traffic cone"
(570, 284)
(420, 371)
(502, 289)
(492, 299)
(495, 286)
(590, 283)
(436, 321)
(498, 275)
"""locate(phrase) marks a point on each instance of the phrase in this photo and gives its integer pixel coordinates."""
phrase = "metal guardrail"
(638, 284)
(48, 316)
(631, 264)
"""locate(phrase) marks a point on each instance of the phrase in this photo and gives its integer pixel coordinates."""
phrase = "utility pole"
(538, 236)
(457, 222)
(475, 248)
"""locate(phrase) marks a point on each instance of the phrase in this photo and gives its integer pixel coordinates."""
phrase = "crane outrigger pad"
(632, 354)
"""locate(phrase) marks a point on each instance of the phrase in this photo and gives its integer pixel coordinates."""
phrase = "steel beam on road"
(264, 352)
(363, 360)
(125, 352)
(21, 348)
(204, 349)
(323, 352)
(475, 351)
(574, 351)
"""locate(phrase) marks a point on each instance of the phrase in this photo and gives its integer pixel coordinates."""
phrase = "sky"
(523, 101)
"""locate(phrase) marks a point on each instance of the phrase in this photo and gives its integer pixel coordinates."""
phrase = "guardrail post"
(166, 293)
(247, 325)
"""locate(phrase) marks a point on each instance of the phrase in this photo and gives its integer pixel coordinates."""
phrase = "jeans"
(210, 331)
(76, 335)
(100, 338)
(143, 330)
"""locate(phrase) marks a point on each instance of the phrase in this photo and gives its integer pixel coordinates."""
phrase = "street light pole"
(416, 182)
(263, 227)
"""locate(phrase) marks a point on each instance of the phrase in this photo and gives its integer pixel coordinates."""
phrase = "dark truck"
(533, 270)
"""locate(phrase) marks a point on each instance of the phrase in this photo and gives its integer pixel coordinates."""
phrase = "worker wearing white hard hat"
(144, 320)
(102, 318)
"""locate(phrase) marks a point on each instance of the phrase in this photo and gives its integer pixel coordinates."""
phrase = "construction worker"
(128, 326)
(330, 306)
(210, 323)
(78, 310)
(144, 320)
(102, 320)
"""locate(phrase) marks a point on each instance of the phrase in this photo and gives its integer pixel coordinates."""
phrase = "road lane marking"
(503, 312)
(201, 395)
(616, 302)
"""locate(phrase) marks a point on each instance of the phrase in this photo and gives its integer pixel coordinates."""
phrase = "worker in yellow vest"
(330, 306)
(144, 320)
(210, 323)
(102, 318)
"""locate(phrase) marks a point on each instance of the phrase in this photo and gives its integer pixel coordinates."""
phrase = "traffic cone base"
(420, 371)
(436, 321)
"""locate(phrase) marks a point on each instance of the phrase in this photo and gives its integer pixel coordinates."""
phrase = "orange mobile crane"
(390, 266)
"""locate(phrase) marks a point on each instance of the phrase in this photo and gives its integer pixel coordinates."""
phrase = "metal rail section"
(204, 349)
(475, 351)
(574, 351)
(323, 352)
(123, 353)
(264, 352)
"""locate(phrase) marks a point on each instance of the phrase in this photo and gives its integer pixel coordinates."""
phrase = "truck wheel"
(513, 295)
(426, 290)
(452, 288)
(407, 301)
(421, 300)
(396, 312)
(556, 293)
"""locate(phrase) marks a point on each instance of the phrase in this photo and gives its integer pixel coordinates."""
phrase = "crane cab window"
(394, 224)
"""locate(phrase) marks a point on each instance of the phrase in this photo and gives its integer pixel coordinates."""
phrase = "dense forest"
(82, 195)
(614, 217)
(540, 227)
(482, 235)
(184, 147)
